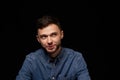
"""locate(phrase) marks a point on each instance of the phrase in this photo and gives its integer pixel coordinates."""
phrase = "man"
(52, 61)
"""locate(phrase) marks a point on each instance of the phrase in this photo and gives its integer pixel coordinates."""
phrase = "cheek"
(57, 40)
(42, 41)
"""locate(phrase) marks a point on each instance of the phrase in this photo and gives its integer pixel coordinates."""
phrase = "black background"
(82, 22)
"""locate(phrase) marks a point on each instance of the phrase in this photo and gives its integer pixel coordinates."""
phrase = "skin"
(50, 39)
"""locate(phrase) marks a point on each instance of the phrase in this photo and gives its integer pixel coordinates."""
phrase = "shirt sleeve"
(82, 73)
(25, 71)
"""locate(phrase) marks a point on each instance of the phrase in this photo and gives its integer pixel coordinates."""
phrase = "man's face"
(50, 38)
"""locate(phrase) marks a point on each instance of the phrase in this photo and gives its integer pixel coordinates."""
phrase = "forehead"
(49, 29)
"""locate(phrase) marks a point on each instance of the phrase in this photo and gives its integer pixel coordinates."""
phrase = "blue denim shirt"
(69, 65)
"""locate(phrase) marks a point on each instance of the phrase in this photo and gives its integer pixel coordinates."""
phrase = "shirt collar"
(58, 58)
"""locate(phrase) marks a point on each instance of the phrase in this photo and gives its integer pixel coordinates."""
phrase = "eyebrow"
(47, 35)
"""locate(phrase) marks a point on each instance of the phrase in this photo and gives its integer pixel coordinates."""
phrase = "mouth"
(50, 47)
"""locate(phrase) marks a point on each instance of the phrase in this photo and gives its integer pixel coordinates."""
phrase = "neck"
(54, 55)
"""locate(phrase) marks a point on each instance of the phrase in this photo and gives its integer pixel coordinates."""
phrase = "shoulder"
(72, 52)
(77, 56)
(35, 54)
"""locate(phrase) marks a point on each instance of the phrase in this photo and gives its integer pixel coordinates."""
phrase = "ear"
(37, 37)
(62, 34)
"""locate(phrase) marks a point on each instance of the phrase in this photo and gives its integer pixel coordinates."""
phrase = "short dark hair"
(46, 20)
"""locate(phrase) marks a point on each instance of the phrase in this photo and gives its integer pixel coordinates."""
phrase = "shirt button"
(53, 78)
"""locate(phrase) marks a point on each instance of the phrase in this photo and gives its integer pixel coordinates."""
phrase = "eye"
(53, 34)
(43, 36)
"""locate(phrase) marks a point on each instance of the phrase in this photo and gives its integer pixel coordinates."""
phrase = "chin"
(51, 51)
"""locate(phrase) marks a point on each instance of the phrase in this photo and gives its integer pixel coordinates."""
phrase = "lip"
(50, 47)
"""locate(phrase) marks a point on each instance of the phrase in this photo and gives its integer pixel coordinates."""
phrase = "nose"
(49, 40)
